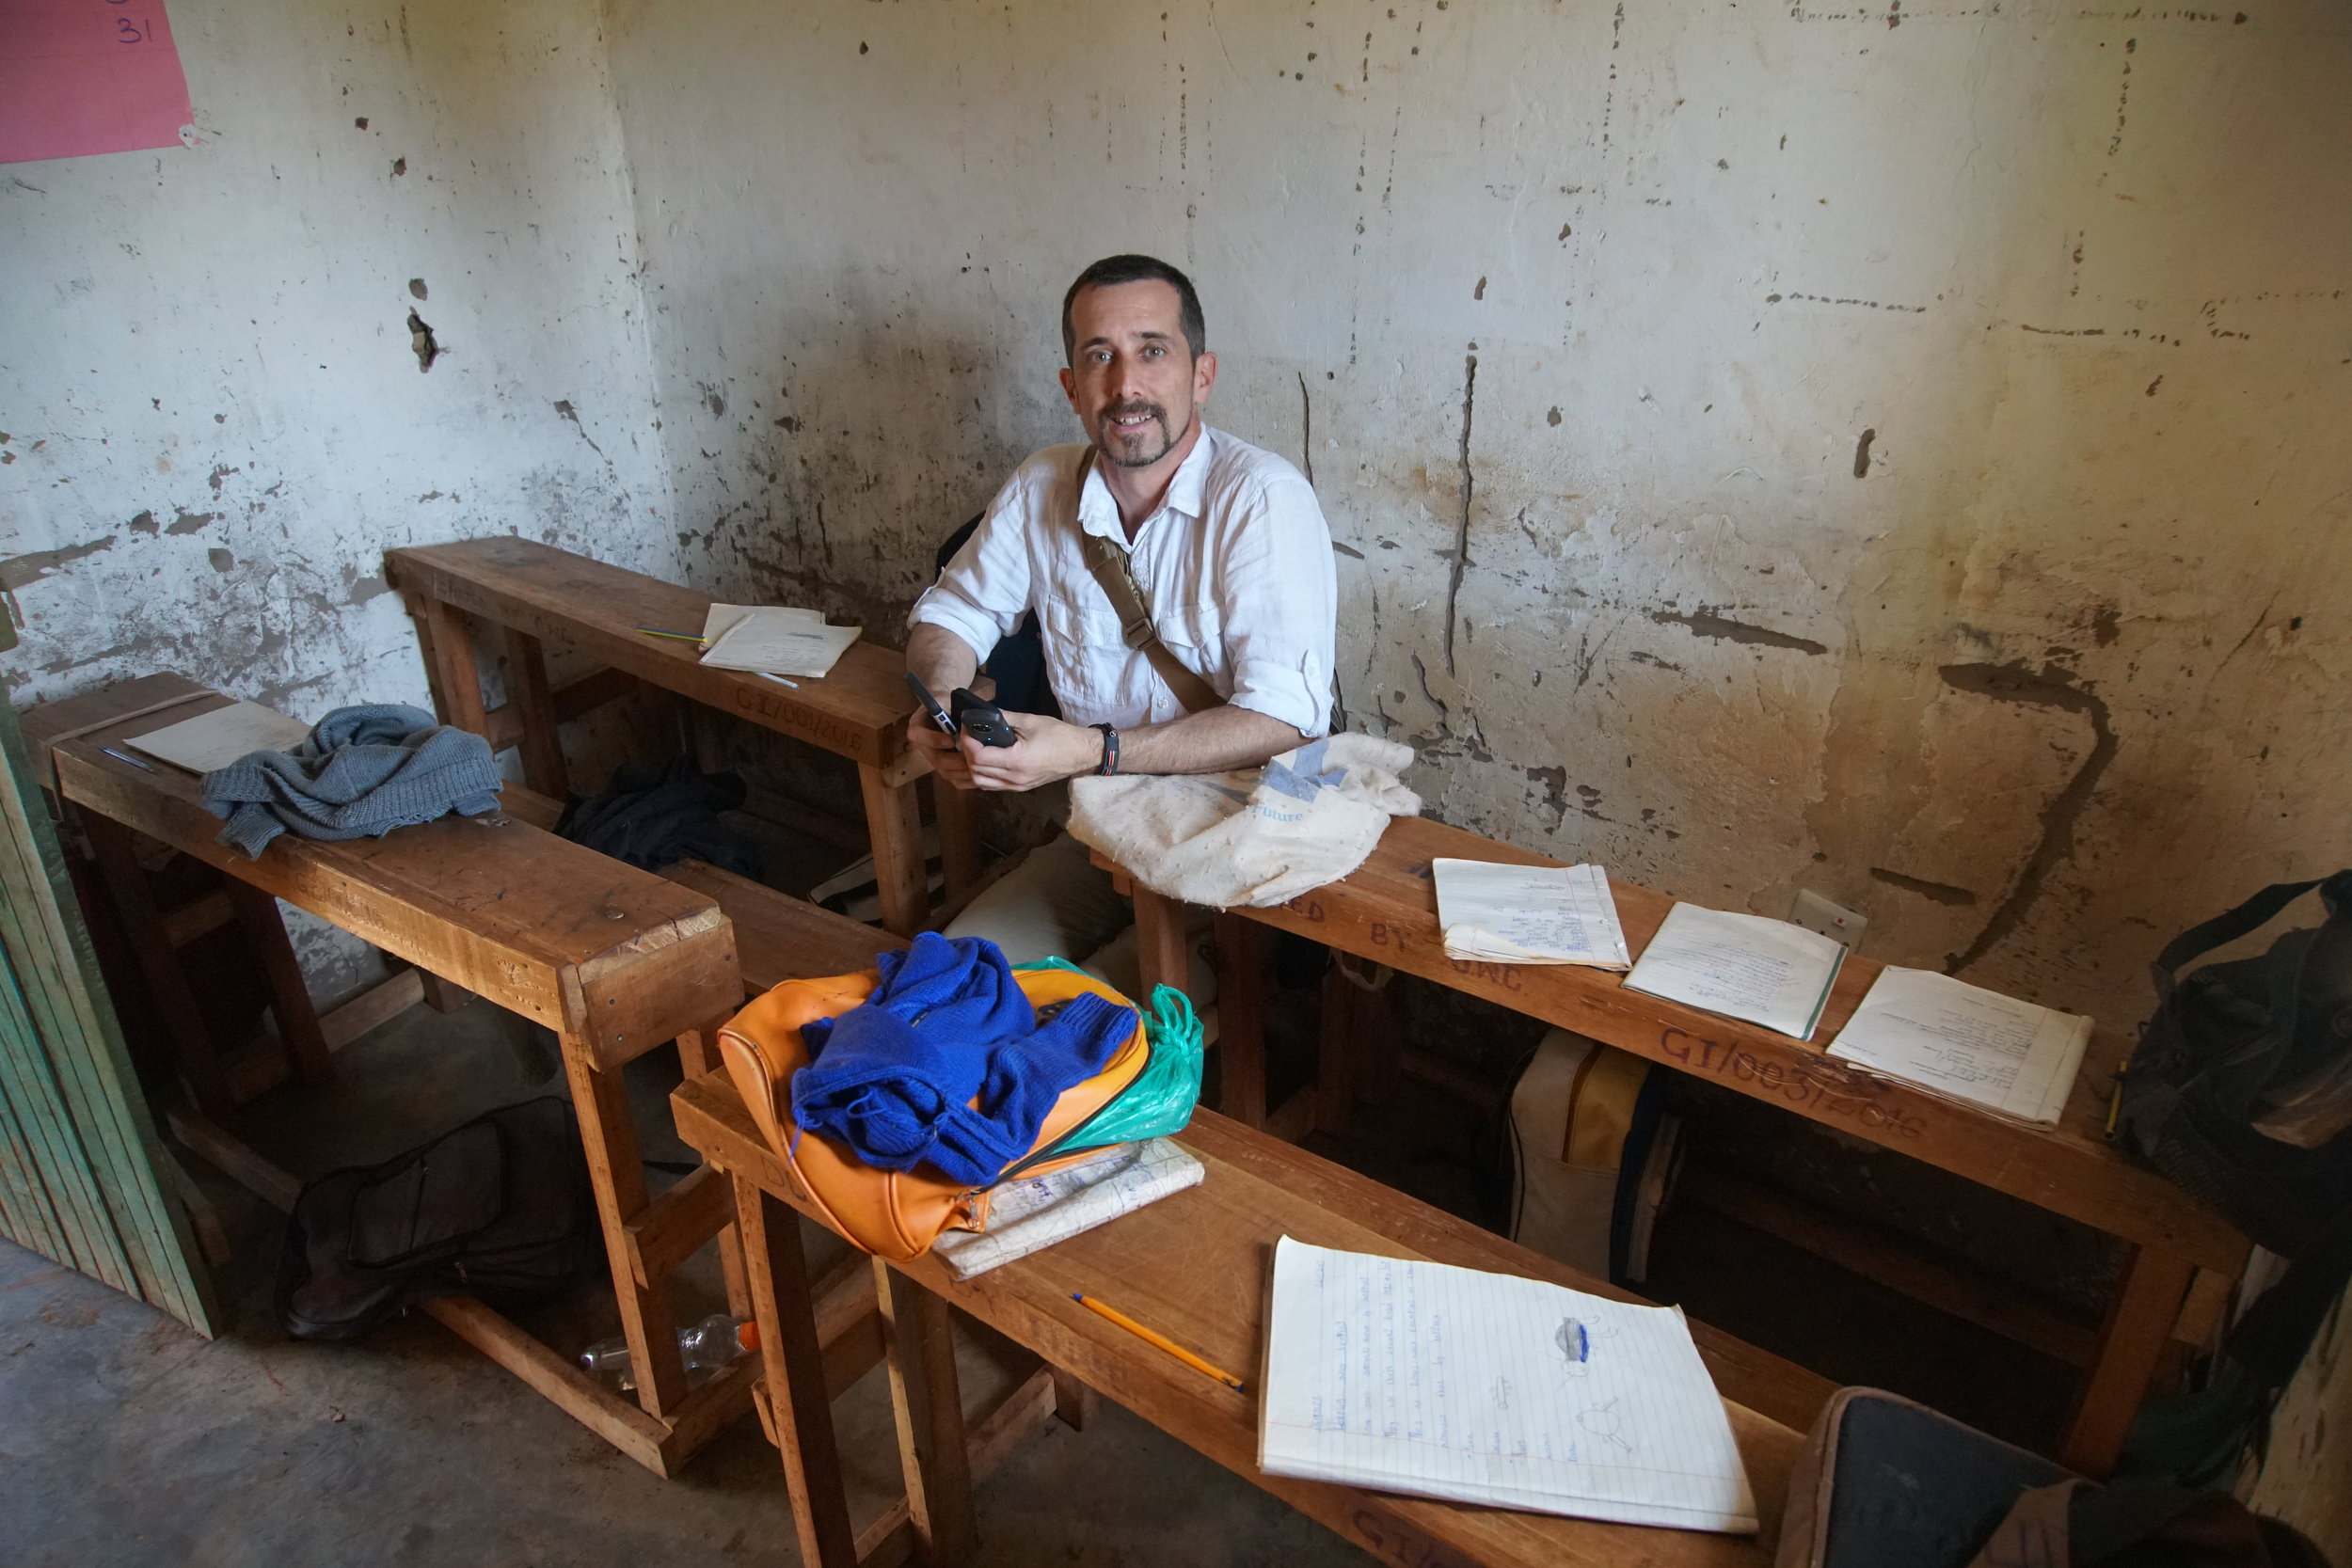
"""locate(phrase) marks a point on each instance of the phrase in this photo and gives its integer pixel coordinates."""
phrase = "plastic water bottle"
(706, 1347)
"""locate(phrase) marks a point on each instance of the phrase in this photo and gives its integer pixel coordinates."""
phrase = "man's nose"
(1121, 378)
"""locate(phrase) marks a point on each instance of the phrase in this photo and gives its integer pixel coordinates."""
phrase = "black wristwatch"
(1110, 763)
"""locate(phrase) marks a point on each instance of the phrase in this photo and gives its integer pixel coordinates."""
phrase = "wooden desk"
(1386, 911)
(538, 593)
(614, 959)
(1195, 1266)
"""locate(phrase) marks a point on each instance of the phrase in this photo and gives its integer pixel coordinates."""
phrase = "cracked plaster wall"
(1894, 452)
(213, 422)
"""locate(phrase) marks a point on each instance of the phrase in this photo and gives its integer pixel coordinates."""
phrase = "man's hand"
(946, 755)
(1048, 748)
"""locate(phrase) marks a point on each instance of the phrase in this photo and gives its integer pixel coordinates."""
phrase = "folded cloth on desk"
(1258, 836)
(894, 1077)
(361, 772)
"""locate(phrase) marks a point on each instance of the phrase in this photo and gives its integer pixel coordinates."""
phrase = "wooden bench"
(2186, 1256)
(1195, 1266)
(615, 961)
(537, 594)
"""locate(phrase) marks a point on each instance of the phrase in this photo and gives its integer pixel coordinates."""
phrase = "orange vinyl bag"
(898, 1214)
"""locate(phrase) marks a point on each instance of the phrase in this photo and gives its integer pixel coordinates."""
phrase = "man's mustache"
(1125, 410)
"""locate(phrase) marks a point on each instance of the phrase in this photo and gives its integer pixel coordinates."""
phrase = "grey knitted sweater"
(361, 772)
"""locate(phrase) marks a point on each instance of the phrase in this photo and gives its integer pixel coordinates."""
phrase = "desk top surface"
(1387, 911)
(1195, 1267)
(858, 710)
(492, 902)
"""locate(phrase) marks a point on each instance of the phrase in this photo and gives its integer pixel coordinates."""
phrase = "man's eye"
(1155, 352)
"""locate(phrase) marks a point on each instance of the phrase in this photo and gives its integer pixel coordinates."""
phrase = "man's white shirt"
(1236, 566)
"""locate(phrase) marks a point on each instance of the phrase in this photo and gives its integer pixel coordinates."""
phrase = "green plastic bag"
(1161, 1099)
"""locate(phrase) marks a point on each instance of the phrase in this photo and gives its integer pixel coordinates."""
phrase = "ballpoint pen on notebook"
(1161, 1341)
(681, 636)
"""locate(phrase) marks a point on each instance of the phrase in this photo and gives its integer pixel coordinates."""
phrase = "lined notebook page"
(1487, 1388)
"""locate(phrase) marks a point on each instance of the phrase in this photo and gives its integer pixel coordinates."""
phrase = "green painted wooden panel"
(78, 1176)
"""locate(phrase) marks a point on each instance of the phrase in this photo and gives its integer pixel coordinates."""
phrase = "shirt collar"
(1098, 509)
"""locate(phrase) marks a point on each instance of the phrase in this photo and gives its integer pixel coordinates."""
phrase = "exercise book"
(215, 739)
(1742, 966)
(1528, 914)
(778, 641)
(1967, 1043)
(1405, 1375)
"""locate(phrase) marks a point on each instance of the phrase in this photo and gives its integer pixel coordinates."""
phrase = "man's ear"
(1070, 389)
(1203, 376)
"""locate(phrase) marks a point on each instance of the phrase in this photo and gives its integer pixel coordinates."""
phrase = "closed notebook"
(1411, 1376)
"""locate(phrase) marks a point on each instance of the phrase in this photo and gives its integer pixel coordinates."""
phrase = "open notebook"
(1967, 1043)
(1412, 1376)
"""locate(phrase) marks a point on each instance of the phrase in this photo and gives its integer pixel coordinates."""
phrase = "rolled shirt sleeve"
(984, 591)
(1280, 596)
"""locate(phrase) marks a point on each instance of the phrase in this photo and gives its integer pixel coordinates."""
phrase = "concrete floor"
(126, 1439)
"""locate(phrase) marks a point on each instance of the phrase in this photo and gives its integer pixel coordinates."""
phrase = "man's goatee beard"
(1166, 445)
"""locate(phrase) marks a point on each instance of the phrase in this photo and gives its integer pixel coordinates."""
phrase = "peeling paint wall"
(213, 385)
(1894, 451)
(391, 298)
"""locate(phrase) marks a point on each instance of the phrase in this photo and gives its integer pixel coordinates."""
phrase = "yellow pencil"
(1162, 1340)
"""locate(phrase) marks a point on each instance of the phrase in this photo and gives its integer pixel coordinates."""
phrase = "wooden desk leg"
(894, 822)
(192, 1047)
(527, 689)
(449, 665)
(1162, 955)
(928, 1403)
(1240, 1015)
(619, 1178)
(777, 1271)
(1074, 1402)
(265, 929)
(1335, 1038)
(2140, 1321)
(959, 836)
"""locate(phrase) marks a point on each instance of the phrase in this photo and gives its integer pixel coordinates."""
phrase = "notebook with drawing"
(1420, 1377)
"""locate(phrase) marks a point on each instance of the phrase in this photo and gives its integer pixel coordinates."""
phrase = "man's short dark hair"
(1112, 270)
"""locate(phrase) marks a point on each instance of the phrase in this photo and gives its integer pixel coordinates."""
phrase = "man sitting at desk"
(1234, 562)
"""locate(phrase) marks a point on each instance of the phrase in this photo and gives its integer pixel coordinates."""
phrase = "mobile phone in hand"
(930, 704)
(982, 720)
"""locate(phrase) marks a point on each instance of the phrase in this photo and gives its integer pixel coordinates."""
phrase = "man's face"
(1136, 385)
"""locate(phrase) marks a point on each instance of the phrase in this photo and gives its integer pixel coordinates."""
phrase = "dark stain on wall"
(420, 341)
(2053, 688)
(188, 522)
(1461, 537)
(18, 570)
(1555, 783)
(1862, 454)
(1941, 892)
(1709, 620)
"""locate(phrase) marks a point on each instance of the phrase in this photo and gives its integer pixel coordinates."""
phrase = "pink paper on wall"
(81, 76)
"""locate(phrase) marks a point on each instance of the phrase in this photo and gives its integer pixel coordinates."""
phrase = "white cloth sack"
(1258, 837)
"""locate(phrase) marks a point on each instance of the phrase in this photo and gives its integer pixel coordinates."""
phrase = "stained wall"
(1895, 452)
(214, 414)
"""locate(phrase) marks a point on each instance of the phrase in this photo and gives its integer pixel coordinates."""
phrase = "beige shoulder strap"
(1108, 561)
